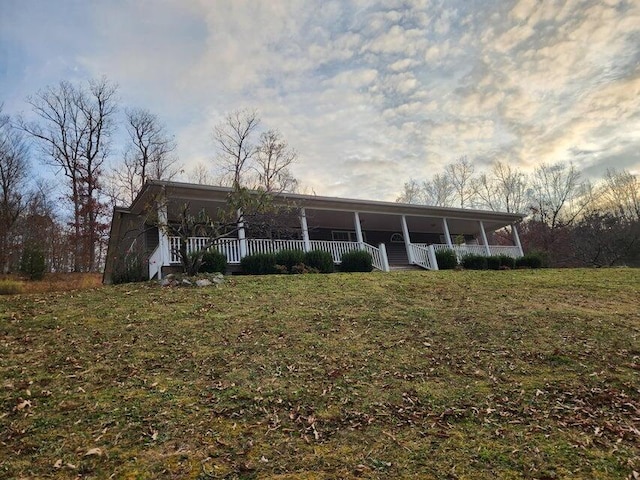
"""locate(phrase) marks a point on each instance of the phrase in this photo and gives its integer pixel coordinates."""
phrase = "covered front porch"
(394, 239)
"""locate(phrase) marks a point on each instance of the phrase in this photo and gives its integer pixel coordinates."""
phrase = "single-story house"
(395, 234)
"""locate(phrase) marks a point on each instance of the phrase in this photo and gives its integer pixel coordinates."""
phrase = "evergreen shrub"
(356, 261)
(289, 258)
(213, 261)
(32, 262)
(259, 264)
(320, 260)
(447, 259)
(474, 262)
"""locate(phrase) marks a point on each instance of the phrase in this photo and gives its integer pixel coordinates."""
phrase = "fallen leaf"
(94, 451)
(58, 463)
(24, 404)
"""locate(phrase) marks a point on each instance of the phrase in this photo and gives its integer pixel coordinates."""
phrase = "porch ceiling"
(341, 220)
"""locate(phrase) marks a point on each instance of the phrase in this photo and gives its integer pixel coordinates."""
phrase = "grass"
(52, 282)
(461, 375)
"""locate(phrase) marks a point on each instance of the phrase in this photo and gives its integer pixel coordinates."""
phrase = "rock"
(203, 282)
(186, 282)
(166, 282)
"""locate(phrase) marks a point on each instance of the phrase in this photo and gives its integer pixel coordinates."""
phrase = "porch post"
(241, 235)
(305, 230)
(163, 238)
(484, 239)
(516, 238)
(384, 257)
(407, 240)
(356, 221)
(447, 235)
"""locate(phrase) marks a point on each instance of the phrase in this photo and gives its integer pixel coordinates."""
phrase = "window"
(396, 238)
(346, 236)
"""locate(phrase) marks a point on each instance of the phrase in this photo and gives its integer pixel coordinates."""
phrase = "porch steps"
(404, 267)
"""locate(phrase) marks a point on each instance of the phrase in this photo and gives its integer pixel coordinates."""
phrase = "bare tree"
(460, 175)
(411, 193)
(503, 189)
(148, 156)
(73, 131)
(439, 191)
(273, 158)
(620, 194)
(555, 194)
(14, 170)
(200, 174)
(151, 148)
(236, 150)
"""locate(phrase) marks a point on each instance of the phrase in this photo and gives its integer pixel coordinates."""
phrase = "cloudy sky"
(369, 93)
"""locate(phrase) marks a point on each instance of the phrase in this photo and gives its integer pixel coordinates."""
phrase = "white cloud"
(370, 93)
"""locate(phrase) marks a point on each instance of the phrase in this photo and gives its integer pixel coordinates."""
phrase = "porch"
(420, 254)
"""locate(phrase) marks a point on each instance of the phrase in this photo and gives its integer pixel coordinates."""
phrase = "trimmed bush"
(320, 260)
(447, 259)
(130, 269)
(10, 287)
(493, 263)
(507, 262)
(33, 263)
(213, 261)
(531, 260)
(356, 261)
(289, 258)
(259, 264)
(474, 262)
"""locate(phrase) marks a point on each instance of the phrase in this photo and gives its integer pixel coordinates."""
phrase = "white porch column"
(356, 221)
(447, 235)
(305, 230)
(163, 238)
(384, 257)
(516, 238)
(407, 240)
(241, 235)
(484, 239)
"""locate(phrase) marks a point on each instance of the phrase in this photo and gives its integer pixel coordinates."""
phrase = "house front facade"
(395, 234)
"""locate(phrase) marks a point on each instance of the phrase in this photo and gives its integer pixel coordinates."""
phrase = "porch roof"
(326, 208)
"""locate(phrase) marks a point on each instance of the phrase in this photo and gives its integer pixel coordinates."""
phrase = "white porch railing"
(259, 245)
(231, 248)
(511, 251)
(424, 256)
(462, 250)
(155, 262)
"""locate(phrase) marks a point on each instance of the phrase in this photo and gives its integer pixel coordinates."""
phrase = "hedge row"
(447, 260)
(297, 261)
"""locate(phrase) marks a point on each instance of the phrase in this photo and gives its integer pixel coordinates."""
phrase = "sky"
(370, 93)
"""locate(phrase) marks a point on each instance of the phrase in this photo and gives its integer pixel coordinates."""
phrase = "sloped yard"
(514, 374)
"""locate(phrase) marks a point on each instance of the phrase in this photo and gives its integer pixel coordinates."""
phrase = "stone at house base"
(201, 280)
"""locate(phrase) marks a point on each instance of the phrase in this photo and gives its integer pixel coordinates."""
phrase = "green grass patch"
(448, 374)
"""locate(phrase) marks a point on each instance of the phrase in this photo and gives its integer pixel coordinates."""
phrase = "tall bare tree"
(14, 170)
(200, 174)
(235, 147)
(149, 155)
(411, 193)
(556, 194)
(439, 191)
(504, 188)
(620, 192)
(73, 131)
(273, 158)
(460, 175)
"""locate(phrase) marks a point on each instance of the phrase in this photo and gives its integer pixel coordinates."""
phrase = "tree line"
(573, 221)
(71, 129)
